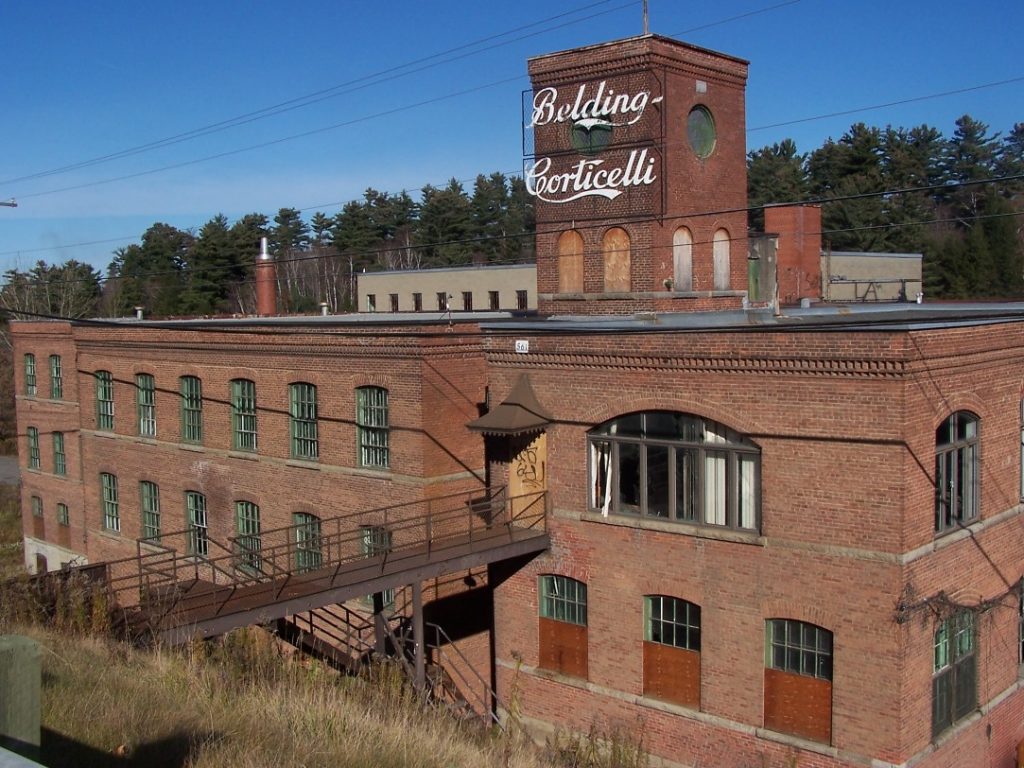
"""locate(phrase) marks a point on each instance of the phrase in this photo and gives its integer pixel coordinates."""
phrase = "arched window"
(191, 409)
(303, 411)
(956, 471)
(615, 249)
(243, 414)
(145, 404)
(249, 542)
(563, 625)
(682, 259)
(104, 400)
(198, 527)
(720, 257)
(675, 466)
(308, 553)
(372, 422)
(570, 262)
(798, 679)
(672, 650)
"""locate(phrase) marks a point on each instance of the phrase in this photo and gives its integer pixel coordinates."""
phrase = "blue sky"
(86, 80)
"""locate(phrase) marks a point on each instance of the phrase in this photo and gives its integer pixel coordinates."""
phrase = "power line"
(605, 222)
(350, 86)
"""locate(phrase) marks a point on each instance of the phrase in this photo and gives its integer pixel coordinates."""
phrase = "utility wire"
(604, 222)
(356, 84)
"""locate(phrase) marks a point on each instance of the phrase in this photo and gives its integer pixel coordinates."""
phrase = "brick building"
(777, 536)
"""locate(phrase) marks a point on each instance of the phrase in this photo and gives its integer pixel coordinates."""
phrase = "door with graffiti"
(527, 476)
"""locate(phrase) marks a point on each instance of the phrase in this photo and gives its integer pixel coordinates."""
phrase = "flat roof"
(841, 317)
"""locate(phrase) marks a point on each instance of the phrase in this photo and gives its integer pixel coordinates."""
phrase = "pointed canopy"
(518, 414)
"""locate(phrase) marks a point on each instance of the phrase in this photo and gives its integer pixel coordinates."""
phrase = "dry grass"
(11, 559)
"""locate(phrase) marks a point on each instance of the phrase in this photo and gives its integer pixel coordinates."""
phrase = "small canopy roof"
(518, 414)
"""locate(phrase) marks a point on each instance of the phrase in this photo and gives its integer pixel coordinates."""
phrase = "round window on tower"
(700, 130)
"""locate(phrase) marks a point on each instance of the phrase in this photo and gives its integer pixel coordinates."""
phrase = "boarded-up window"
(570, 262)
(720, 256)
(615, 249)
(682, 259)
(672, 650)
(798, 679)
(563, 625)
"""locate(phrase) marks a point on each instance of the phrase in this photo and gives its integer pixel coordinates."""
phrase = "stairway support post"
(380, 626)
(417, 635)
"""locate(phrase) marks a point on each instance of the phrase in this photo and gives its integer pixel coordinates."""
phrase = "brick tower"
(638, 171)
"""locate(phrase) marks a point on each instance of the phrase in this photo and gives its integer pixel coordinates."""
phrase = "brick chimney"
(799, 254)
(266, 282)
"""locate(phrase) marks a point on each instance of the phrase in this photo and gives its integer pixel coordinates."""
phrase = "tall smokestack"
(266, 282)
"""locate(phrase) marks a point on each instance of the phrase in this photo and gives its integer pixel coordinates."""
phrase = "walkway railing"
(168, 566)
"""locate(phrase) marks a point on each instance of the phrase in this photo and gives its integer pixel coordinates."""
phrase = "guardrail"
(167, 567)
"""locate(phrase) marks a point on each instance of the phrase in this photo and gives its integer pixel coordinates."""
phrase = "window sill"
(303, 463)
(246, 455)
(797, 741)
(683, 529)
(194, 447)
(145, 440)
(382, 473)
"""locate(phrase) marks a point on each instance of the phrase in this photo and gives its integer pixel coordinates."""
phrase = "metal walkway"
(185, 585)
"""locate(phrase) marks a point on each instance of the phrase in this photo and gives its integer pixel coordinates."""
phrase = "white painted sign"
(589, 108)
(522, 346)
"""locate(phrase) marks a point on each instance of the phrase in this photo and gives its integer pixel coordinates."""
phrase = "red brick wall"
(799, 253)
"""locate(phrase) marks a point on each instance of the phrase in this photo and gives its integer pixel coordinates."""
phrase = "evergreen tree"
(151, 274)
(445, 224)
(775, 174)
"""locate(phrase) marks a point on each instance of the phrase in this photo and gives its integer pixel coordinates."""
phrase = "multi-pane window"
(308, 554)
(563, 599)
(671, 650)
(442, 301)
(492, 300)
(372, 426)
(798, 679)
(376, 540)
(954, 672)
(56, 378)
(243, 414)
(798, 647)
(60, 462)
(198, 532)
(104, 400)
(305, 443)
(671, 621)
(393, 300)
(417, 302)
(111, 509)
(467, 301)
(30, 374)
(63, 518)
(191, 409)
(32, 434)
(247, 524)
(521, 299)
(563, 625)
(37, 506)
(145, 403)
(956, 471)
(149, 503)
(675, 466)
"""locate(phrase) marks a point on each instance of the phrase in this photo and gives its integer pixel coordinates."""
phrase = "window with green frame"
(30, 374)
(305, 444)
(671, 621)
(954, 673)
(145, 403)
(56, 379)
(243, 414)
(247, 526)
(372, 426)
(671, 650)
(111, 508)
(149, 503)
(63, 518)
(60, 463)
(191, 409)
(563, 635)
(308, 552)
(32, 433)
(104, 400)
(198, 532)
(798, 679)
(563, 599)
(37, 506)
